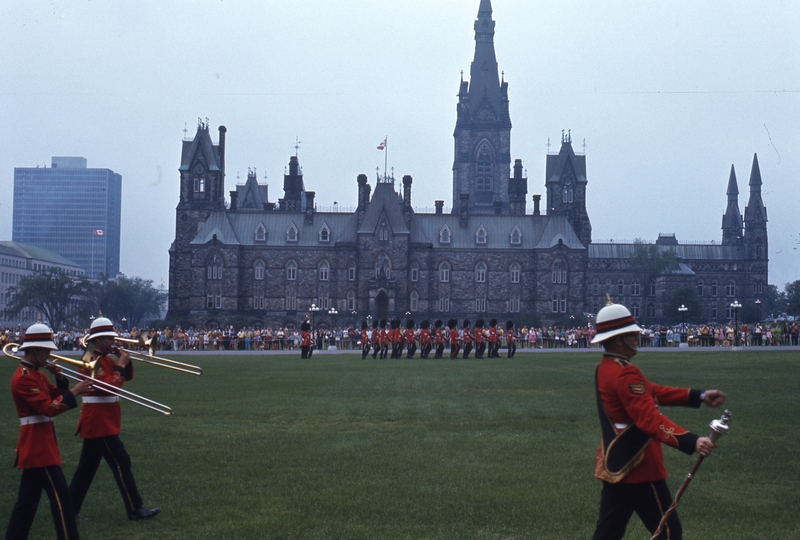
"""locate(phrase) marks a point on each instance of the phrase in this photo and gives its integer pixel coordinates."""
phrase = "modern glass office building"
(71, 210)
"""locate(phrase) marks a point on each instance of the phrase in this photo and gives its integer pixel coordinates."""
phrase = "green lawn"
(337, 447)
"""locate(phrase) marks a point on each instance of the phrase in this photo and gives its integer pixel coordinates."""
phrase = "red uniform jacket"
(510, 337)
(492, 334)
(453, 336)
(305, 339)
(479, 335)
(409, 336)
(384, 337)
(34, 395)
(376, 337)
(438, 337)
(466, 337)
(103, 419)
(629, 398)
(424, 336)
(364, 339)
(394, 335)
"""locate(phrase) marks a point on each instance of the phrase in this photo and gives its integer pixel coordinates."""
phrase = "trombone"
(10, 348)
(150, 346)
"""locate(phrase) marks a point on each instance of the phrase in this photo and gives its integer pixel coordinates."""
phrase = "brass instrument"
(150, 346)
(10, 348)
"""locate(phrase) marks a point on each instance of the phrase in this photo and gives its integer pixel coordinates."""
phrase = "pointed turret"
(755, 218)
(732, 219)
(483, 127)
(294, 191)
(565, 182)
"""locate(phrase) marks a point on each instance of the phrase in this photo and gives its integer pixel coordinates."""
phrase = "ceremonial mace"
(718, 429)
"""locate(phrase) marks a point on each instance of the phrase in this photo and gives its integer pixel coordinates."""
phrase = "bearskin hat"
(509, 325)
(410, 324)
(425, 324)
(452, 323)
(438, 323)
(375, 323)
(479, 323)
(383, 323)
(466, 323)
(364, 325)
(493, 323)
(305, 326)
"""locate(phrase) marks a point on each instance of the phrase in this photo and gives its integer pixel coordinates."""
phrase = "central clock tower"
(482, 164)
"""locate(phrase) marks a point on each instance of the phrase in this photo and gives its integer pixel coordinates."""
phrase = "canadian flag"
(99, 232)
(382, 145)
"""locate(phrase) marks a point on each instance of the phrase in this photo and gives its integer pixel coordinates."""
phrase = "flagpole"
(386, 157)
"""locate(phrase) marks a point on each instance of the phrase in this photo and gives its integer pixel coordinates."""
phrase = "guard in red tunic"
(438, 338)
(384, 339)
(410, 339)
(305, 339)
(480, 343)
(395, 338)
(37, 401)
(424, 339)
(454, 348)
(511, 339)
(494, 343)
(364, 340)
(466, 338)
(629, 461)
(376, 339)
(100, 424)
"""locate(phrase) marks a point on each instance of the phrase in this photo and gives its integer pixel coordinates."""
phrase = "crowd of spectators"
(779, 333)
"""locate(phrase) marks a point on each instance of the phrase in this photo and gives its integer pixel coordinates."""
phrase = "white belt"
(96, 399)
(35, 419)
(620, 426)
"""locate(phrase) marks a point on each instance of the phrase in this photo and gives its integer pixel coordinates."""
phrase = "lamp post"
(313, 309)
(736, 306)
(683, 309)
(125, 322)
(332, 312)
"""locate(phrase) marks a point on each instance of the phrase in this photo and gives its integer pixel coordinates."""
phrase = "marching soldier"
(37, 401)
(424, 339)
(480, 343)
(100, 424)
(438, 338)
(511, 339)
(364, 340)
(453, 325)
(395, 338)
(376, 339)
(411, 339)
(384, 340)
(494, 344)
(629, 459)
(466, 337)
(305, 339)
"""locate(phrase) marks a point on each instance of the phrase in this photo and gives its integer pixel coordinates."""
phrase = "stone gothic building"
(268, 262)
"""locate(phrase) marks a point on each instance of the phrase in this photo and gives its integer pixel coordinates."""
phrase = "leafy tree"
(650, 261)
(686, 296)
(792, 292)
(128, 298)
(775, 303)
(55, 294)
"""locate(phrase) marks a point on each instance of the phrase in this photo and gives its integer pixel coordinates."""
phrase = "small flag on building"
(382, 145)
(99, 232)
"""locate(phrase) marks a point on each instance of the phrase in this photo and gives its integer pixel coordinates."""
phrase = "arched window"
(730, 288)
(636, 288)
(651, 311)
(481, 236)
(700, 287)
(351, 301)
(261, 233)
(324, 270)
(554, 302)
(258, 268)
(483, 169)
(351, 271)
(480, 272)
(444, 272)
(324, 233)
(516, 236)
(383, 266)
(415, 271)
(444, 235)
(595, 286)
(214, 269)
(608, 285)
(383, 232)
(635, 310)
(558, 272)
(620, 287)
(714, 287)
(199, 182)
(414, 301)
(291, 233)
(653, 289)
(514, 272)
(291, 271)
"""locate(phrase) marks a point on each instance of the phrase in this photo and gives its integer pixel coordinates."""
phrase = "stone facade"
(266, 263)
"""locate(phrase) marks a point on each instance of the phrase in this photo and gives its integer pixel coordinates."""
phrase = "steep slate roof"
(537, 231)
(683, 252)
(384, 200)
(15, 249)
(251, 194)
(556, 163)
(234, 228)
(202, 141)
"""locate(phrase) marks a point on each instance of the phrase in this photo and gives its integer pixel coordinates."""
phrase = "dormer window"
(261, 233)
(324, 233)
(516, 236)
(444, 235)
(481, 236)
(291, 234)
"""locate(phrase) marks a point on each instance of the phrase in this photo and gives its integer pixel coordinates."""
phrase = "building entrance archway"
(382, 305)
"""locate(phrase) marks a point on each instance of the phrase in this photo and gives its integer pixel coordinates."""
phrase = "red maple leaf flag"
(382, 145)
(99, 232)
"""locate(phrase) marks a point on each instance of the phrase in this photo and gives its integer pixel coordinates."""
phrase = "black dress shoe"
(144, 513)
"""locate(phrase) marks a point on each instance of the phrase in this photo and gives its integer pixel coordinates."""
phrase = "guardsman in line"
(466, 338)
(100, 423)
(411, 339)
(394, 338)
(364, 340)
(629, 460)
(494, 343)
(438, 338)
(305, 339)
(480, 343)
(454, 348)
(424, 339)
(384, 339)
(37, 401)
(376, 339)
(511, 339)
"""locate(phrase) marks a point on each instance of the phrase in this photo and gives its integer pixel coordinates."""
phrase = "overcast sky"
(667, 95)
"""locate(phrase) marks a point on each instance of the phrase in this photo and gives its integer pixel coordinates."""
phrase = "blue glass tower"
(71, 210)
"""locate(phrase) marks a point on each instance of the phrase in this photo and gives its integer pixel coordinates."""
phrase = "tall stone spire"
(482, 165)
(755, 210)
(755, 218)
(732, 219)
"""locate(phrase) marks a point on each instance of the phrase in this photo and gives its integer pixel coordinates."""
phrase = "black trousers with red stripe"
(113, 451)
(649, 500)
(51, 480)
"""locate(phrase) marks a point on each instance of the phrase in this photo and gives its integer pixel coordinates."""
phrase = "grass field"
(337, 447)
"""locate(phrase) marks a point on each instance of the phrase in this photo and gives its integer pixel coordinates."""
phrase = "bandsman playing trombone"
(100, 423)
(37, 401)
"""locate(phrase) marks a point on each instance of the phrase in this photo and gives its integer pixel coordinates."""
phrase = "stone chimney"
(234, 200)
(222, 131)
(407, 191)
(310, 207)
(537, 199)
(439, 207)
